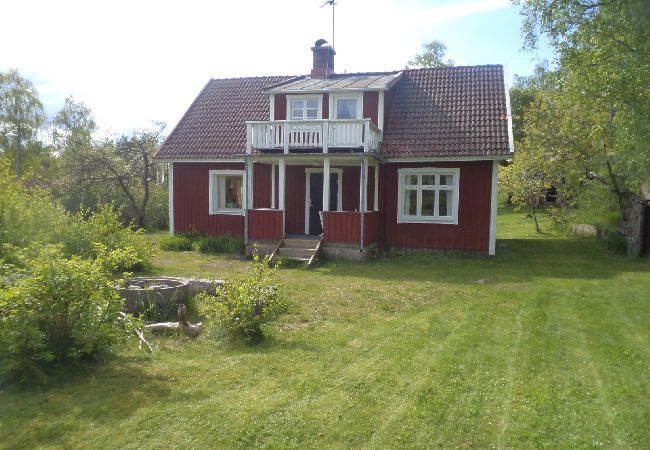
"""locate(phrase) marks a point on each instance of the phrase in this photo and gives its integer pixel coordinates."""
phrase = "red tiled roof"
(448, 112)
(438, 112)
(213, 127)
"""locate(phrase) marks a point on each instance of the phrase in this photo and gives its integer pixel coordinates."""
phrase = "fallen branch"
(187, 328)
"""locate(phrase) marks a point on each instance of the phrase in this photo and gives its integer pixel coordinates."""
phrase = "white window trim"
(318, 97)
(339, 196)
(228, 211)
(334, 97)
(450, 220)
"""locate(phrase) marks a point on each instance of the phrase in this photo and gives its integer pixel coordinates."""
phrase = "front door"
(316, 199)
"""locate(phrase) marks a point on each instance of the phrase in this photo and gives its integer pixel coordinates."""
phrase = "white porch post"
(493, 210)
(281, 189)
(272, 185)
(248, 166)
(326, 184)
(376, 199)
(363, 191)
(170, 185)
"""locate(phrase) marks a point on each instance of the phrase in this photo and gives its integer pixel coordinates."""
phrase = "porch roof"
(368, 81)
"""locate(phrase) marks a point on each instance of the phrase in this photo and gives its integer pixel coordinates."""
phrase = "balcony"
(313, 136)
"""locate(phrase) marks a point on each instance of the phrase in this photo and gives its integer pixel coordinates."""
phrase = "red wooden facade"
(473, 230)
(265, 224)
(191, 207)
(192, 198)
(370, 107)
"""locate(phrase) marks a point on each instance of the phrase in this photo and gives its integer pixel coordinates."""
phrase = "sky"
(133, 62)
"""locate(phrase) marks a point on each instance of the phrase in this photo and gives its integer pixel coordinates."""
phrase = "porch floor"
(312, 237)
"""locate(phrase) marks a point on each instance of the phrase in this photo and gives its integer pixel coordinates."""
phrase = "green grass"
(546, 344)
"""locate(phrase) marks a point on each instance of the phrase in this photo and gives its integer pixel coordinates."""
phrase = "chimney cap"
(320, 43)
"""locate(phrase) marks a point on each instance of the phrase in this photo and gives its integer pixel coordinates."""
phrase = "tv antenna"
(332, 3)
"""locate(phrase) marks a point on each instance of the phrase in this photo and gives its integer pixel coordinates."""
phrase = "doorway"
(314, 197)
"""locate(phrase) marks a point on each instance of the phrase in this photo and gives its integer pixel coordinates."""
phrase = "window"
(304, 108)
(348, 107)
(226, 192)
(428, 195)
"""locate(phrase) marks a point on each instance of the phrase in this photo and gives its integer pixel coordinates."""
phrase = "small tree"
(432, 56)
(244, 308)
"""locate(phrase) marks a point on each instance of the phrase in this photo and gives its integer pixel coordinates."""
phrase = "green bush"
(59, 309)
(177, 243)
(221, 244)
(244, 308)
(101, 234)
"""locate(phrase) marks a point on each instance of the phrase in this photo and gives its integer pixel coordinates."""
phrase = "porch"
(334, 199)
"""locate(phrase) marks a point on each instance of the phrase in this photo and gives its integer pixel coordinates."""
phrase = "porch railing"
(345, 227)
(290, 135)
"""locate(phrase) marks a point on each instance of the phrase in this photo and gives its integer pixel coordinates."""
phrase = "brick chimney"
(323, 59)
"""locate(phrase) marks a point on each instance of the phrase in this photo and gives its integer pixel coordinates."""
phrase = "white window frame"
(333, 106)
(212, 192)
(305, 97)
(450, 220)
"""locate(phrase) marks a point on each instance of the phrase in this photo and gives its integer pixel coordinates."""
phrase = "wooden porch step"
(295, 252)
(301, 243)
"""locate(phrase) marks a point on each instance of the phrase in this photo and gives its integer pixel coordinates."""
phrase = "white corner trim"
(493, 209)
(380, 113)
(211, 191)
(446, 220)
(170, 185)
(272, 107)
(511, 138)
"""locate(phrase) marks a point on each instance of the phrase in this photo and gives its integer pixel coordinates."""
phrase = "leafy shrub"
(244, 308)
(61, 309)
(26, 214)
(102, 234)
(176, 243)
(221, 244)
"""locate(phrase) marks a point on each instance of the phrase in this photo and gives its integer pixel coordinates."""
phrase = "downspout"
(362, 203)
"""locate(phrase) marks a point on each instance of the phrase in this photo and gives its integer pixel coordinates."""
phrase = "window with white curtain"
(347, 108)
(227, 190)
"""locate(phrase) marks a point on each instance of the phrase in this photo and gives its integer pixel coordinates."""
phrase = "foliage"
(61, 309)
(603, 103)
(433, 54)
(221, 244)
(26, 214)
(244, 308)
(21, 117)
(101, 234)
(177, 243)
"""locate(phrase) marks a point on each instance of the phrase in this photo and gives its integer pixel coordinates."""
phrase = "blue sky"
(133, 62)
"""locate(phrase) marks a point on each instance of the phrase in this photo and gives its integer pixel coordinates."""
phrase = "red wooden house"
(404, 159)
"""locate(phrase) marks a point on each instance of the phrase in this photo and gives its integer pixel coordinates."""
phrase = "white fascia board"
(448, 158)
(186, 160)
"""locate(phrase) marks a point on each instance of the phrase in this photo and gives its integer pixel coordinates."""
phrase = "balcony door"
(314, 198)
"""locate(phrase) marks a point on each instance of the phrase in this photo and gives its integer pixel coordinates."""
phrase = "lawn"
(546, 344)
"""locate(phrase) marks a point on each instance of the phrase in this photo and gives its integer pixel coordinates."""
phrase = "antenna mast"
(331, 2)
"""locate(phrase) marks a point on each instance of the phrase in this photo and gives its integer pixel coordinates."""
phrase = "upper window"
(304, 108)
(428, 195)
(226, 192)
(348, 107)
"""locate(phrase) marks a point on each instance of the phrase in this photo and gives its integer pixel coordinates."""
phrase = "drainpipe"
(246, 186)
(362, 203)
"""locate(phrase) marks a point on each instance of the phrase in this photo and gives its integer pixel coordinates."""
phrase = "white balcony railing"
(316, 134)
